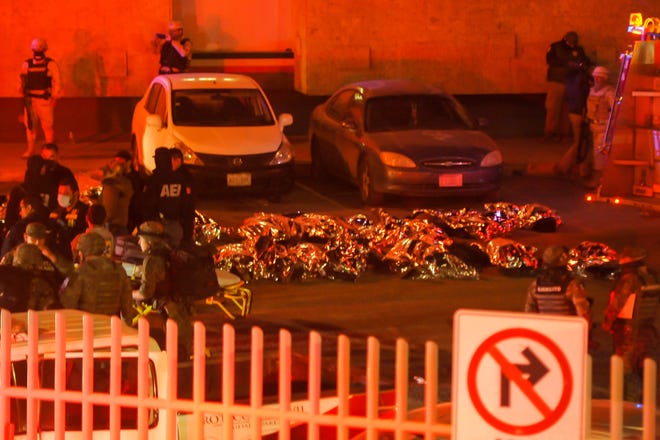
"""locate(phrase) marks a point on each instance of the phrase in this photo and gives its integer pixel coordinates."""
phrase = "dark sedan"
(403, 138)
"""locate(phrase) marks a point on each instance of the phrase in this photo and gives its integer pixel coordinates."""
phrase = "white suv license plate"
(450, 180)
(239, 179)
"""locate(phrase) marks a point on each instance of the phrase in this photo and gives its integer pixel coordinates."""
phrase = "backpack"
(192, 273)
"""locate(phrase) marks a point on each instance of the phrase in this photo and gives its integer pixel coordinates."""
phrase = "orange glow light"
(589, 197)
(617, 200)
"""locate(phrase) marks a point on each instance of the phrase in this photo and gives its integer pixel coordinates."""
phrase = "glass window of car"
(338, 107)
(73, 411)
(416, 112)
(152, 98)
(220, 108)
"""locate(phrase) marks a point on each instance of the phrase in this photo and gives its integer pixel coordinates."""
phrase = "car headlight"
(284, 154)
(189, 156)
(396, 160)
(492, 159)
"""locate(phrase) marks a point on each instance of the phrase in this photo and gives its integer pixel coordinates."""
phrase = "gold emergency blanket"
(426, 244)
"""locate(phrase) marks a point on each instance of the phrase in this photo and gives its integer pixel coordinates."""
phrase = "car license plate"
(450, 180)
(239, 179)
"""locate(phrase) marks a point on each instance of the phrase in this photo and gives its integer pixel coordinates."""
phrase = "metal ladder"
(626, 58)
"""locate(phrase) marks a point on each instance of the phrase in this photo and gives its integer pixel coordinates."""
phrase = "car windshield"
(220, 108)
(415, 112)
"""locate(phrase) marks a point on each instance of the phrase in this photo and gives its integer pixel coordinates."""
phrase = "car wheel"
(368, 194)
(319, 172)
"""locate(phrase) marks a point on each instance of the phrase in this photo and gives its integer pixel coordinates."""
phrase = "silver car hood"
(230, 140)
(432, 142)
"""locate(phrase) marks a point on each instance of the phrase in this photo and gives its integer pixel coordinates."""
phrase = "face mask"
(63, 200)
(38, 55)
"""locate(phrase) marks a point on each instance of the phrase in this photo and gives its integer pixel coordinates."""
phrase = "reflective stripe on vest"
(551, 297)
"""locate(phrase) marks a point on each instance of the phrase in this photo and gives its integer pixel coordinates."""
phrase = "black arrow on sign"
(535, 370)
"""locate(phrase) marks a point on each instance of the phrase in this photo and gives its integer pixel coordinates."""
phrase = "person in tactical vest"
(54, 265)
(24, 285)
(40, 86)
(555, 290)
(167, 197)
(600, 101)
(156, 284)
(630, 317)
(100, 285)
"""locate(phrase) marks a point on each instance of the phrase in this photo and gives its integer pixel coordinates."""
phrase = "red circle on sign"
(554, 415)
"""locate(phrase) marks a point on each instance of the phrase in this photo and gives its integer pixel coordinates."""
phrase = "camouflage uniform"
(100, 285)
(155, 287)
(630, 318)
(26, 286)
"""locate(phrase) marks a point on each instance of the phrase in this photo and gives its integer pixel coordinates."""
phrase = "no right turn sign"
(518, 374)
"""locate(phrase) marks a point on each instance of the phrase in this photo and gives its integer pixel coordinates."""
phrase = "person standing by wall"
(40, 87)
(562, 57)
(175, 53)
(630, 317)
(599, 105)
(577, 91)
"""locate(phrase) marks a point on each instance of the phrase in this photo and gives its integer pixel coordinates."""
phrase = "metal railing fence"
(161, 413)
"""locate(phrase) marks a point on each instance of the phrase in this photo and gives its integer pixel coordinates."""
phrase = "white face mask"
(63, 200)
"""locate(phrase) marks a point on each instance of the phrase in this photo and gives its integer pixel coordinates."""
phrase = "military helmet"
(152, 228)
(90, 243)
(631, 255)
(39, 45)
(27, 256)
(555, 256)
(36, 230)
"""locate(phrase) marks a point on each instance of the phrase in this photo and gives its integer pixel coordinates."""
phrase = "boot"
(594, 181)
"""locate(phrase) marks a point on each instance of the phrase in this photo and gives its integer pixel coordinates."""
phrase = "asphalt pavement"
(520, 155)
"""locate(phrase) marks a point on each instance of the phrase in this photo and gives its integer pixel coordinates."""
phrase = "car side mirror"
(154, 121)
(285, 119)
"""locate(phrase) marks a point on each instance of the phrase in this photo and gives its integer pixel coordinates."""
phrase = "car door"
(348, 136)
(156, 129)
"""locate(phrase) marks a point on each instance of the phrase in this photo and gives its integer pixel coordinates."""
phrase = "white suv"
(223, 124)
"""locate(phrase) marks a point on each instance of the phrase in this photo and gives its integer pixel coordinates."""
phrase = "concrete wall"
(102, 47)
(469, 48)
(475, 47)
(478, 47)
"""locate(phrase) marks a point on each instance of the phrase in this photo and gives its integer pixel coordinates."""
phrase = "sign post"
(518, 374)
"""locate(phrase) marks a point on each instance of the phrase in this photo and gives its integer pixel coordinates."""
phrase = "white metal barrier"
(153, 409)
